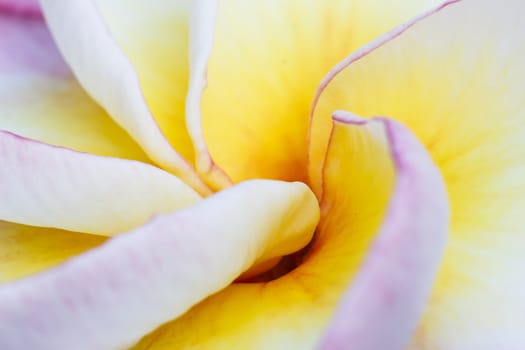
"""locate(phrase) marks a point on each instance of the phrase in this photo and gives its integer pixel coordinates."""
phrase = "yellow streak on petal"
(26, 250)
(292, 311)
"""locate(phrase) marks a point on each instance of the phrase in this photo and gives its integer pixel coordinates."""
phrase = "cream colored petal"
(42, 185)
(154, 36)
(110, 78)
(362, 169)
(111, 296)
(202, 32)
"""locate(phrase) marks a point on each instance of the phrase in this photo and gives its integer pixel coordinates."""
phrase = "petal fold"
(201, 43)
(457, 83)
(40, 99)
(154, 37)
(110, 78)
(111, 296)
(364, 168)
(43, 185)
(384, 303)
(255, 68)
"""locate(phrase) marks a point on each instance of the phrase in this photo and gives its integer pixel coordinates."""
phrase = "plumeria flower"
(344, 174)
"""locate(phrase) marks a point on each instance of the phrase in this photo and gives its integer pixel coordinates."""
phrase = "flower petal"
(455, 77)
(40, 99)
(25, 250)
(154, 37)
(111, 296)
(384, 303)
(28, 8)
(110, 78)
(266, 60)
(42, 185)
(202, 31)
(291, 312)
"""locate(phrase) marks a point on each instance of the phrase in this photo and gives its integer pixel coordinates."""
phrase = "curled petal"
(111, 296)
(293, 310)
(455, 77)
(154, 37)
(325, 101)
(201, 33)
(43, 185)
(255, 66)
(385, 301)
(110, 78)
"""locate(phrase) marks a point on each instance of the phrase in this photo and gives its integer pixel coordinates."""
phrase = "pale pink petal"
(110, 297)
(26, 46)
(455, 77)
(43, 185)
(384, 303)
(29, 8)
(110, 78)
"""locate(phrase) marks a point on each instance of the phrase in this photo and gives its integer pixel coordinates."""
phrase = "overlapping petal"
(385, 301)
(154, 37)
(110, 78)
(25, 250)
(455, 77)
(43, 185)
(40, 99)
(292, 311)
(265, 62)
(111, 296)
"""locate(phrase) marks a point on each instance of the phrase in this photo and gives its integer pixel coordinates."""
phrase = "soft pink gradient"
(26, 8)
(26, 46)
(384, 303)
(110, 297)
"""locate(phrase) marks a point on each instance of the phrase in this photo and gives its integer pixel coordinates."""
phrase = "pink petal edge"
(24, 8)
(355, 56)
(111, 296)
(384, 303)
(26, 46)
(51, 186)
